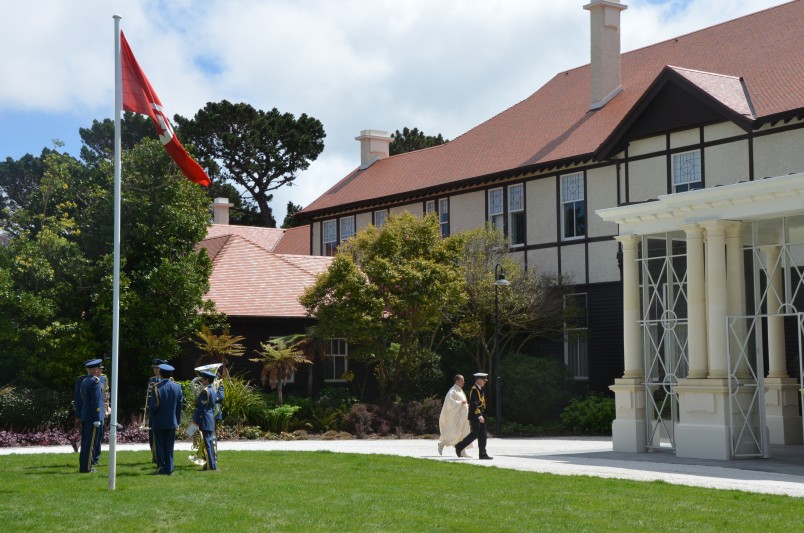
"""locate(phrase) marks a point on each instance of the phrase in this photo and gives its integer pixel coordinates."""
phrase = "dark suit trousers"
(478, 432)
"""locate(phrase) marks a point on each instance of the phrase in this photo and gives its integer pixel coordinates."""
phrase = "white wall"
(647, 178)
(540, 208)
(544, 261)
(601, 188)
(467, 211)
(573, 262)
(726, 163)
(603, 262)
(779, 154)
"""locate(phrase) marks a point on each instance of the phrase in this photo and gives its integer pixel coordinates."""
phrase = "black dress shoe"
(75, 446)
(458, 450)
(487, 457)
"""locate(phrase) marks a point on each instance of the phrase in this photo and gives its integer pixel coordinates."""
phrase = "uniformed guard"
(477, 407)
(152, 381)
(107, 410)
(164, 406)
(204, 417)
(92, 414)
(219, 395)
(75, 435)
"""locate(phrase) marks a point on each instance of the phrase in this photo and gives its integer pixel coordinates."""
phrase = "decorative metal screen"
(663, 275)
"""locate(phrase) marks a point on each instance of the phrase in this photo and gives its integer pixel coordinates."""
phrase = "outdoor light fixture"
(499, 281)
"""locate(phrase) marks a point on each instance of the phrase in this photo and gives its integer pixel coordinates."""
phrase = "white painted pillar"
(777, 366)
(628, 431)
(716, 297)
(696, 303)
(735, 283)
(632, 333)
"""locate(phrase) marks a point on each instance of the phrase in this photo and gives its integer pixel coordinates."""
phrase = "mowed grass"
(322, 491)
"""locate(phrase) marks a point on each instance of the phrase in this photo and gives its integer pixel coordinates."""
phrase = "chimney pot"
(374, 145)
(220, 211)
(604, 16)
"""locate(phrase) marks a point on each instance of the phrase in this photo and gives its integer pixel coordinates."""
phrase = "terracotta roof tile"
(294, 241)
(248, 280)
(263, 237)
(554, 124)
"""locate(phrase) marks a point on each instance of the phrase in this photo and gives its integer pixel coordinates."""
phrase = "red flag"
(139, 97)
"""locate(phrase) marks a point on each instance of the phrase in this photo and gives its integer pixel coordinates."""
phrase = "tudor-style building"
(667, 182)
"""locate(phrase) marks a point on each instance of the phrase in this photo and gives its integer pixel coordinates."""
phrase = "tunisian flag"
(139, 97)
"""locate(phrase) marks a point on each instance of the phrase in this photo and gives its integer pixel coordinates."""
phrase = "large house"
(258, 275)
(668, 182)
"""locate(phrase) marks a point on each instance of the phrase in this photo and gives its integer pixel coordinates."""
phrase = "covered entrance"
(713, 293)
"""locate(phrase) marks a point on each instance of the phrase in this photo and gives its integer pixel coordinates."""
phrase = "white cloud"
(442, 66)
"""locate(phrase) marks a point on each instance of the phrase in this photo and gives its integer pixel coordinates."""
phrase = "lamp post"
(499, 281)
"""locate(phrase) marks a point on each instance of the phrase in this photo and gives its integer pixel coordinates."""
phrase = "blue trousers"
(88, 439)
(164, 440)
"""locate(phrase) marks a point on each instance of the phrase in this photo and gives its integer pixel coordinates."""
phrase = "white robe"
(454, 419)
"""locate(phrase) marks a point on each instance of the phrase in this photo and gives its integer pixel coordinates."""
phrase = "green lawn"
(321, 491)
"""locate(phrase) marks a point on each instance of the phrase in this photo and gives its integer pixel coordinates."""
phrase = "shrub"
(279, 417)
(24, 408)
(243, 403)
(591, 415)
(534, 389)
(416, 417)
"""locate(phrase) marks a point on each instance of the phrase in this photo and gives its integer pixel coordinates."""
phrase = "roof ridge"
(674, 67)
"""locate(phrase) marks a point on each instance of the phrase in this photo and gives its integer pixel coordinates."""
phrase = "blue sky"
(443, 66)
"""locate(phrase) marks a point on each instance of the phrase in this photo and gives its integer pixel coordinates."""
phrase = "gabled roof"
(248, 279)
(554, 125)
(682, 98)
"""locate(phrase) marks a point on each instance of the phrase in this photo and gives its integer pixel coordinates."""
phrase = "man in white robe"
(454, 419)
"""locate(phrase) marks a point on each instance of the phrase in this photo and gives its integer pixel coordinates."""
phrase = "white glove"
(96, 423)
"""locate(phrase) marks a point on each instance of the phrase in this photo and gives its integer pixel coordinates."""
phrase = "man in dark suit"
(477, 408)
(164, 406)
(204, 417)
(107, 410)
(92, 414)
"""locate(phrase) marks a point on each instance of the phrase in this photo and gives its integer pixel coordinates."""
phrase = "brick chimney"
(220, 211)
(374, 145)
(605, 25)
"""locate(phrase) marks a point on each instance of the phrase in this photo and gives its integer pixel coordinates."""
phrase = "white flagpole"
(118, 105)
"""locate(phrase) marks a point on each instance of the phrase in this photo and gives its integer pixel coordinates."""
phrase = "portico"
(713, 300)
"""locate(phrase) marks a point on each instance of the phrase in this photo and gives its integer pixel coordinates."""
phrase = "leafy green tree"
(258, 150)
(98, 139)
(409, 140)
(279, 361)
(532, 307)
(218, 348)
(19, 179)
(388, 291)
(56, 272)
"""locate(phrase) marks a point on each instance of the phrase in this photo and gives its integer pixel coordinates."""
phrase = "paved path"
(783, 473)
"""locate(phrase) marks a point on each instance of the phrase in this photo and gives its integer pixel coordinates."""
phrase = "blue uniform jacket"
(165, 404)
(77, 402)
(92, 405)
(204, 409)
(219, 403)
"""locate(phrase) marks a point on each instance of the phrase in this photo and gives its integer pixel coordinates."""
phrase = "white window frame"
(334, 345)
(496, 201)
(516, 211)
(686, 181)
(576, 343)
(380, 217)
(329, 230)
(572, 195)
(347, 227)
(443, 216)
(429, 207)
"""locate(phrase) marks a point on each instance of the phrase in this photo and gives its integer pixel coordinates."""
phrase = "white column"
(777, 367)
(628, 430)
(735, 283)
(716, 297)
(696, 303)
(632, 333)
